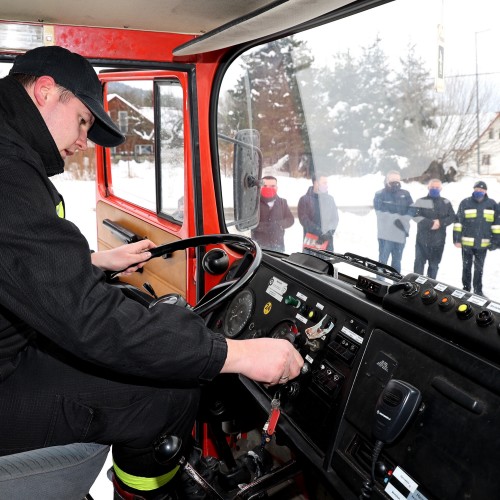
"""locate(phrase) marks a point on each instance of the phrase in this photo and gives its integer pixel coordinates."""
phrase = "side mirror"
(247, 171)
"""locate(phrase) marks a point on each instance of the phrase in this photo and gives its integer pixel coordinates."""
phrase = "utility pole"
(478, 131)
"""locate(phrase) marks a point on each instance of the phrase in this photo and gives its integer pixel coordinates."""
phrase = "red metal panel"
(110, 43)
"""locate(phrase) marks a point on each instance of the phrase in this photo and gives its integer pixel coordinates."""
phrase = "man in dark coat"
(393, 209)
(318, 212)
(476, 230)
(275, 217)
(433, 214)
(80, 361)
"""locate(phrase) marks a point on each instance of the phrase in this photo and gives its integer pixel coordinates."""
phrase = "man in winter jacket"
(79, 361)
(318, 212)
(275, 217)
(394, 212)
(476, 230)
(433, 214)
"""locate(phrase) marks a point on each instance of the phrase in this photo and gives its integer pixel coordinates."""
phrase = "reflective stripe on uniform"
(467, 242)
(457, 227)
(60, 210)
(485, 242)
(489, 215)
(495, 229)
(470, 213)
(144, 483)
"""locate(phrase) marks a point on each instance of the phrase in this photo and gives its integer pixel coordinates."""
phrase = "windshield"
(375, 131)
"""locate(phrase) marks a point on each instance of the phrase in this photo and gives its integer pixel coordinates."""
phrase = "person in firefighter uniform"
(476, 230)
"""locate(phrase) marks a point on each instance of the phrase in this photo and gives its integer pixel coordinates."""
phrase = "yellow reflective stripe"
(495, 229)
(457, 227)
(467, 242)
(485, 242)
(144, 483)
(470, 213)
(489, 215)
(60, 210)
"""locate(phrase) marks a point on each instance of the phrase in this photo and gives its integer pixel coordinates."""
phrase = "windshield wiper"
(358, 261)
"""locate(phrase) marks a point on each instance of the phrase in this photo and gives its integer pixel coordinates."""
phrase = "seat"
(54, 473)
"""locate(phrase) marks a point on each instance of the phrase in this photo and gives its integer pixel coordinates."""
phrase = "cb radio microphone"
(395, 406)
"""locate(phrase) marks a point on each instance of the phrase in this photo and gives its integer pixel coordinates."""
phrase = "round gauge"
(239, 313)
(284, 330)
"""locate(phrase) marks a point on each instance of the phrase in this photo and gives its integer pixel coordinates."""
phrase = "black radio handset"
(395, 406)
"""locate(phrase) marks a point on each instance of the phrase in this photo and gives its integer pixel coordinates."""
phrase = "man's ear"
(43, 89)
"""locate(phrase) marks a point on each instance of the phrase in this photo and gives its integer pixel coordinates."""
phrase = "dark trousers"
(432, 255)
(470, 257)
(387, 248)
(53, 399)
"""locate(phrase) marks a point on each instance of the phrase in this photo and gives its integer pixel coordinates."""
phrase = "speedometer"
(238, 313)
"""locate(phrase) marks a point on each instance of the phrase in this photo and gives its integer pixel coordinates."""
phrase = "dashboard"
(358, 334)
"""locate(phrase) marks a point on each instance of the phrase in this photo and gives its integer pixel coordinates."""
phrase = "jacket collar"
(21, 114)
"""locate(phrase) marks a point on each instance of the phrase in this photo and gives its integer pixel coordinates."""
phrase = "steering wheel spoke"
(224, 290)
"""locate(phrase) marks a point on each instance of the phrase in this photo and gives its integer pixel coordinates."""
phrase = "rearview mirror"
(247, 171)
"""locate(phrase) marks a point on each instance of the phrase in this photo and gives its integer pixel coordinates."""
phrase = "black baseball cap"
(481, 185)
(76, 74)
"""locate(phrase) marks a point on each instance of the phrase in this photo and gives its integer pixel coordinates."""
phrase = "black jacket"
(273, 221)
(477, 224)
(49, 287)
(429, 209)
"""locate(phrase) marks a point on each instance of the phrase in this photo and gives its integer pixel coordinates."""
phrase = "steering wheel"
(221, 292)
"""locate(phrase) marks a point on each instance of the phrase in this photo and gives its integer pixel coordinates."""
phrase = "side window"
(169, 96)
(144, 109)
(130, 105)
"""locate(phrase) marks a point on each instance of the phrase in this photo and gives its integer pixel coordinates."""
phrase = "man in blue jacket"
(434, 214)
(476, 230)
(393, 209)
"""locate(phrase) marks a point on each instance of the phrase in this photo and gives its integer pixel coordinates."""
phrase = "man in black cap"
(79, 361)
(476, 230)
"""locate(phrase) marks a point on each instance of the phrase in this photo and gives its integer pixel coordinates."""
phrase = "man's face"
(269, 189)
(321, 185)
(393, 178)
(270, 183)
(68, 121)
(435, 185)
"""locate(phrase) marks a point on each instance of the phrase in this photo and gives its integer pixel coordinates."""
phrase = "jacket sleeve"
(335, 217)
(495, 227)
(457, 226)
(49, 283)
(449, 217)
(288, 218)
(305, 217)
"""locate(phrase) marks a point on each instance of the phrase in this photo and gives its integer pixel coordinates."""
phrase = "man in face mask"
(318, 215)
(434, 214)
(275, 217)
(393, 207)
(476, 230)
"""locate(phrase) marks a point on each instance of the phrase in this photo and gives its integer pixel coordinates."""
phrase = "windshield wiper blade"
(358, 261)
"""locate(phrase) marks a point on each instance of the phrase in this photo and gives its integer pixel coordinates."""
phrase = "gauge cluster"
(327, 336)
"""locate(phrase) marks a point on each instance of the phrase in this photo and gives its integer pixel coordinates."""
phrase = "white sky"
(409, 21)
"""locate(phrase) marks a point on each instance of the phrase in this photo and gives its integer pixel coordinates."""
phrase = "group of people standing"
(476, 228)
(476, 224)
(316, 210)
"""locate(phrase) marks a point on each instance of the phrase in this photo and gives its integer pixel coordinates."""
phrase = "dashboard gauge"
(285, 330)
(238, 313)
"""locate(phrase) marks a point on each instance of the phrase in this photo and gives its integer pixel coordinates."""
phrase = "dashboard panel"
(355, 342)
